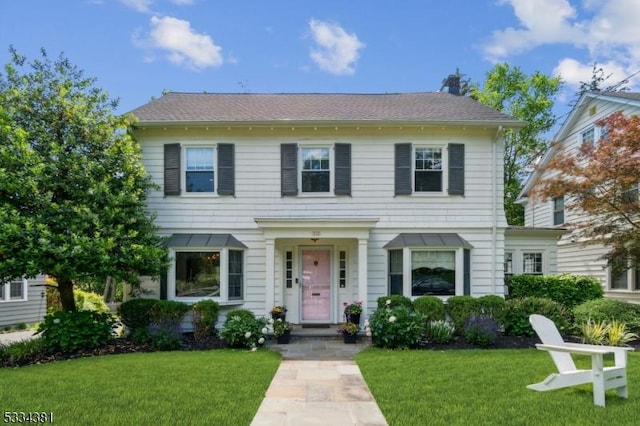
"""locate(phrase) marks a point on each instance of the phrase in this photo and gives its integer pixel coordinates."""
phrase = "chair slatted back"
(549, 335)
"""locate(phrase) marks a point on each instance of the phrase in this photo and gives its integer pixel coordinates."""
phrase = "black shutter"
(456, 169)
(163, 286)
(226, 169)
(343, 169)
(172, 169)
(466, 283)
(403, 169)
(289, 169)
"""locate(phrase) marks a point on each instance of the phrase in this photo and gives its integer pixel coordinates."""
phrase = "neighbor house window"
(625, 280)
(428, 170)
(532, 263)
(588, 136)
(631, 194)
(558, 211)
(199, 169)
(433, 273)
(316, 170)
(217, 274)
(13, 290)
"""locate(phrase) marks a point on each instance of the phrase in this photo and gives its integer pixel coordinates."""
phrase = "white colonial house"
(22, 301)
(573, 256)
(313, 200)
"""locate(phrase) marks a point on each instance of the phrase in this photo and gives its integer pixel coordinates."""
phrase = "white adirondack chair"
(603, 378)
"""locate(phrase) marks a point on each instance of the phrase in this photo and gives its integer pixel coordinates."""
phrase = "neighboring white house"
(313, 200)
(574, 257)
(22, 301)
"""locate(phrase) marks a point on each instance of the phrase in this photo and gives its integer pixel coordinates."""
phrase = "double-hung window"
(199, 169)
(428, 170)
(588, 136)
(316, 169)
(12, 291)
(625, 280)
(558, 211)
(532, 263)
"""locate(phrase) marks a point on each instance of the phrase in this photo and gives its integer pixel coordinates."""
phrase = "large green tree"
(529, 98)
(72, 186)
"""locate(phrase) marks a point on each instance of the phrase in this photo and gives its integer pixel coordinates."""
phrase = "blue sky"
(138, 48)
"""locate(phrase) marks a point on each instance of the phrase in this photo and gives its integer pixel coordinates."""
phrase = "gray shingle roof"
(203, 108)
(634, 96)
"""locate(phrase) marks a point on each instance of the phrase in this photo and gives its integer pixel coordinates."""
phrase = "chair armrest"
(609, 349)
(575, 349)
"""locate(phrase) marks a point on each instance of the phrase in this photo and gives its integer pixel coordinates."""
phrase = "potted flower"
(279, 312)
(352, 311)
(349, 331)
(282, 330)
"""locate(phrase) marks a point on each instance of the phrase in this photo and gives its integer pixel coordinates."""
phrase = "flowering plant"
(348, 328)
(278, 310)
(281, 327)
(354, 308)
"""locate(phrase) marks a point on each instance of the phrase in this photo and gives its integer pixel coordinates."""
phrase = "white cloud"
(182, 2)
(181, 44)
(608, 34)
(335, 51)
(138, 5)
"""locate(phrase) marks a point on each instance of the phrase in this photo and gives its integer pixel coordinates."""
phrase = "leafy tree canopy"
(601, 180)
(72, 186)
(528, 98)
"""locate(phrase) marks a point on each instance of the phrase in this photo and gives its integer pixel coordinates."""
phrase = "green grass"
(486, 387)
(221, 387)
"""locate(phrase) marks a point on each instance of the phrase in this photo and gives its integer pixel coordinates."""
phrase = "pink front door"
(316, 285)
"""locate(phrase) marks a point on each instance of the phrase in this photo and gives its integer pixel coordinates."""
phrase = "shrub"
(395, 300)
(396, 328)
(608, 310)
(481, 330)
(88, 301)
(517, 311)
(136, 313)
(168, 310)
(431, 307)
(440, 331)
(461, 308)
(618, 334)
(594, 332)
(570, 290)
(242, 329)
(493, 306)
(20, 352)
(76, 330)
(165, 335)
(205, 318)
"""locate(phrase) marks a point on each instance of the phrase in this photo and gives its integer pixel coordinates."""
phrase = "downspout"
(494, 212)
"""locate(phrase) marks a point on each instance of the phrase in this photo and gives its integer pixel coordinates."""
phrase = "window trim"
(407, 268)
(444, 168)
(330, 148)
(556, 211)
(184, 171)
(224, 274)
(7, 291)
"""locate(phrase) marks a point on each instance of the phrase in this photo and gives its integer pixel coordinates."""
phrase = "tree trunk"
(65, 287)
(109, 289)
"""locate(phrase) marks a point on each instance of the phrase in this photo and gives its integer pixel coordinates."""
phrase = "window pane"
(236, 265)
(428, 181)
(199, 158)
(2, 286)
(199, 181)
(433, 272)
(619, 281)
(395, 272)
(588, 136)
(16, 291)
(508, 263)
(316, 181)
(532, 263)
(198, 274)
(558, 211)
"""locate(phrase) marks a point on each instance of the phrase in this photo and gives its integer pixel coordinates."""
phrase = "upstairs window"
(588, 136)
(428, 170)
(316, 170)
(558, 211)
(199, 169)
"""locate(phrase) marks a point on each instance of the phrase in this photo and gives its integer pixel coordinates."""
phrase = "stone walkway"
(318, 383)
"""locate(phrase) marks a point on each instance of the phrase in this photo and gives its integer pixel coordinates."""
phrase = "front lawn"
(221, 387)
(486, 387)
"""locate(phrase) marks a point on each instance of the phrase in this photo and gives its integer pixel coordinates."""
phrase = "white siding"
(474, 216)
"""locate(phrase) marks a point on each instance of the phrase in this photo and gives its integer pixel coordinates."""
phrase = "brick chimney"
(453, 84)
